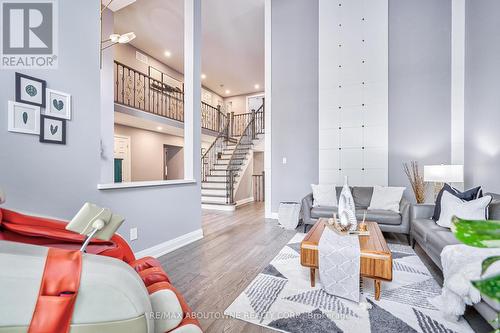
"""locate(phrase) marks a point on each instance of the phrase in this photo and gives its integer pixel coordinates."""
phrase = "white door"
(122, 150)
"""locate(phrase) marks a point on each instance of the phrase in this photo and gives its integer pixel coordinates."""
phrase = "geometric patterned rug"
(281, 298)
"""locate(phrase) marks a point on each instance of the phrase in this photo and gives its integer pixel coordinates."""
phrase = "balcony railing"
(140, 91)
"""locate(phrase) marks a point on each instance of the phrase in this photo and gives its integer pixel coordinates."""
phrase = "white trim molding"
(457, 81)
(267, 116)
(171, 245)
(244, 201)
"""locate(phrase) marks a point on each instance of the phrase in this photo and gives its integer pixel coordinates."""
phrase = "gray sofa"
(432, 239)
(388, 220)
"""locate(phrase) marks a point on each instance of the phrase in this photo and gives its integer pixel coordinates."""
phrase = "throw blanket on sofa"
(339, 264)
(461, 265)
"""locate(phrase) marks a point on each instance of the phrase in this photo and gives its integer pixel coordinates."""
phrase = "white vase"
(347, 209)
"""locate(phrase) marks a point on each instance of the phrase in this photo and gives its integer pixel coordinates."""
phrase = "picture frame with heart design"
(23, 118)
(52, 130)
(58, 104)
(30, 90)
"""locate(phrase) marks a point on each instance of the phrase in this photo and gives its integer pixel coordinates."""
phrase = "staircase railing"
(247, 136)
(213, 153)
(240, 121)
(141, 91)
(253, 127)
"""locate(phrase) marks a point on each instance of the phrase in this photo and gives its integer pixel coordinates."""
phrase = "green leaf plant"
(484, 234)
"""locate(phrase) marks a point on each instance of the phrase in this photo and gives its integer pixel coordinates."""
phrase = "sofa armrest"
(404, 210)
(307, 204)
(422, 211)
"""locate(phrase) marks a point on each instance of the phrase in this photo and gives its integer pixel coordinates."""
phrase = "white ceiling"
(233, 39)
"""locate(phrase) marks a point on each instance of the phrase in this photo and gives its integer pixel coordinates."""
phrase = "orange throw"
(58, 291)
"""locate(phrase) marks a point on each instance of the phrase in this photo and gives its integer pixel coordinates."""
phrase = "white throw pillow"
(470, 210)
(386, 198)
(324, 195)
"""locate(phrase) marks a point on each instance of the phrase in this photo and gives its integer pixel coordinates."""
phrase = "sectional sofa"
(432, 238)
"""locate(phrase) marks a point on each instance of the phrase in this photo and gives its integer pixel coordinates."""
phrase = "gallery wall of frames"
(39, 110)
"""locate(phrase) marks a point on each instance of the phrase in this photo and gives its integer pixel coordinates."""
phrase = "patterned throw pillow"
(472, 194)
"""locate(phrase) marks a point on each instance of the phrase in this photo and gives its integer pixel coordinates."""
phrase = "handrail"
(139, 90)
(211, 156)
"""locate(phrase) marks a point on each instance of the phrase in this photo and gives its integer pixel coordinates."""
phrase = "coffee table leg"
(377, 289)
(313, 277)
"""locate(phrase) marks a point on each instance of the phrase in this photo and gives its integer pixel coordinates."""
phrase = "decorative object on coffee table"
(376, 258)
(347, 209)
(416, 180)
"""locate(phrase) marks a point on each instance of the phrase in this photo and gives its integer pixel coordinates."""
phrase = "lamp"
(94, 221)
(440, 174)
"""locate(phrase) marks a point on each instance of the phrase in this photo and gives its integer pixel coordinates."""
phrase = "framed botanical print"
(30, 90)
(58, 104)
(23, 118)
(52, 130)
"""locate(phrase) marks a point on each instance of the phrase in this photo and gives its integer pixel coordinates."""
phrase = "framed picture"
(58, 104)
(23, 118)
(52, 130)
(30, 90)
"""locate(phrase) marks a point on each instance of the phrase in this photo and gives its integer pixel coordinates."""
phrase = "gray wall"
(146, 150)
(55, 180)
(482, 94)
(294, 99)
(419, 85)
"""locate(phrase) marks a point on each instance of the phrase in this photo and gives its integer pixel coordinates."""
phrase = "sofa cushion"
(379, 216)
(438, 239)
(423, 227)
(323, 211)
(362, 196)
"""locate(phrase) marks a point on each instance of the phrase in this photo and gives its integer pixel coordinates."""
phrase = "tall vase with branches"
(416, 179)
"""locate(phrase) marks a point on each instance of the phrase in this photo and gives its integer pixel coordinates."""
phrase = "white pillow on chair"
(386, 198)
(469, 210)
(324, 195)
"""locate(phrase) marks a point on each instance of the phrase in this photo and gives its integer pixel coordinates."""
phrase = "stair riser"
(217, 179)
(213, 199)
(220, 167)
(219, 173)
(213, 192)
(213, 185)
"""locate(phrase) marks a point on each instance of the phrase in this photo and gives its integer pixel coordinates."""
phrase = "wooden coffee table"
(376, 258)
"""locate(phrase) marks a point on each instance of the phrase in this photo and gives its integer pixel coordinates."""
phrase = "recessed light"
(168, 54)
(159, 128)
(256, 86)
(228, 92)
(203, 76)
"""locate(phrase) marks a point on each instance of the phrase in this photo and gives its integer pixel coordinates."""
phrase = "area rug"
(281, 298)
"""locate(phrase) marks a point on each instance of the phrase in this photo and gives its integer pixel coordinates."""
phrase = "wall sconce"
(113, 38)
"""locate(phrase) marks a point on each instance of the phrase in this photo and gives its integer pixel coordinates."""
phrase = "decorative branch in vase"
(416, 180)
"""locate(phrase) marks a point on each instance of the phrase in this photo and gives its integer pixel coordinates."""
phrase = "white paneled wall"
(353, 91)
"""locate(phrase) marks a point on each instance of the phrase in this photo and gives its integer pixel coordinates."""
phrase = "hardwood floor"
(237, 246)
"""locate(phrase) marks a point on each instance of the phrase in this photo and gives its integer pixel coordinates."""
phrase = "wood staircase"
(224, 162)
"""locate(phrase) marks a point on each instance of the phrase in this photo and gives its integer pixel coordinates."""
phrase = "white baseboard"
(224, 208)
(171, 245)
(244, 201)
